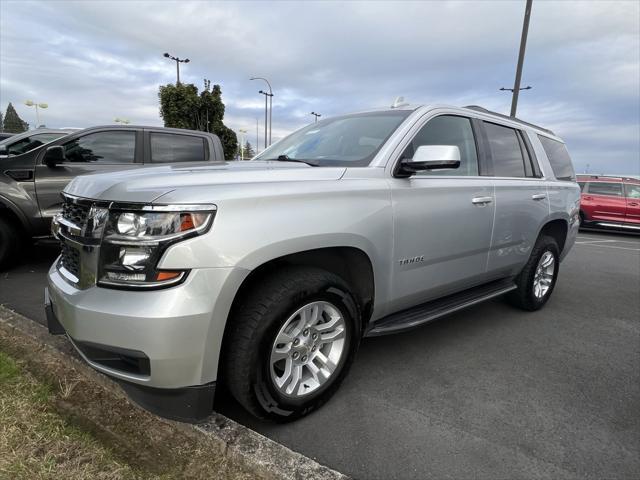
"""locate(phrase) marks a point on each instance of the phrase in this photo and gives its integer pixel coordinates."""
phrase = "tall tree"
(1, 125)
(12, 121)
(182, 107)
(248, 151)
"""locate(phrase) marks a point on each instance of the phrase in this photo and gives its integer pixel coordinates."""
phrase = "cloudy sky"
(92, 61)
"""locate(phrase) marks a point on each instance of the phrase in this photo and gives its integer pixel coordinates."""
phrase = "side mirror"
(430, 157)
(54, 155)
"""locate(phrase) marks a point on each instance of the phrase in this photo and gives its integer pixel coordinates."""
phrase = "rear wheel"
(291, 342)
(538, 278)
(9, 243)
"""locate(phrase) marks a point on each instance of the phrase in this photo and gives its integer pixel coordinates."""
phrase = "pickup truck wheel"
(9, 243)
(538, 277)
(291, 342)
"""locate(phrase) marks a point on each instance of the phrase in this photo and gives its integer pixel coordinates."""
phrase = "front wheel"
(538, 278)
(291, 342)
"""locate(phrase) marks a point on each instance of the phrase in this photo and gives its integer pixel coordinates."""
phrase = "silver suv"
(265, 275)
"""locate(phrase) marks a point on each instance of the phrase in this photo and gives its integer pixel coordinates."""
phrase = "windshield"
(16, 147)
(350, 140)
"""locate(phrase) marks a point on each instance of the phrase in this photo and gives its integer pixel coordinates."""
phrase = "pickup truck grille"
(70, 259)
(75, 212)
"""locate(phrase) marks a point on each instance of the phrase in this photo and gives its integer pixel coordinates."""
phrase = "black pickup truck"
(30, 183)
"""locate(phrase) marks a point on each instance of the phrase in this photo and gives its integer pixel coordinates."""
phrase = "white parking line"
(596, 239)
(607, 246)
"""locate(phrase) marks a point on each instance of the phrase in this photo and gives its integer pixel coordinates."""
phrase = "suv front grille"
(75, 212)
(70, 259)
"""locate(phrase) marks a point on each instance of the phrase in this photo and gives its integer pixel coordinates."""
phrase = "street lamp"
(316, 115)
(270, 95)
(242, 133)
(178, 62)
(123, 121)
(31, 103)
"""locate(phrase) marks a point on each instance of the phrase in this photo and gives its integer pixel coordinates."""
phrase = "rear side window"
(102, 147)
(169, 148)
(558, 158)
(506, 151)
(605, 188)
(633, 190)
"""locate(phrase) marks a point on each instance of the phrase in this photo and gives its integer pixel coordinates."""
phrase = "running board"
(617, 225)
(426, 312)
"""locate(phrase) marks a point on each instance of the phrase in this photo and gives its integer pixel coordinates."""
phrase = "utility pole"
(316, 115)
(178, 62)
(523, 46)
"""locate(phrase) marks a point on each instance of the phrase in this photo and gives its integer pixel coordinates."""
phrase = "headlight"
(134, 241)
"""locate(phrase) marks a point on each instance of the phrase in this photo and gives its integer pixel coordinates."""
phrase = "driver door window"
(448, 130)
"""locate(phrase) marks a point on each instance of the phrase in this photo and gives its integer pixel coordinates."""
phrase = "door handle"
(539, 196)
(634, 204)
(481, 200)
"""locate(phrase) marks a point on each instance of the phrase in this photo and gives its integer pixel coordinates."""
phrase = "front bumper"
(178, 331)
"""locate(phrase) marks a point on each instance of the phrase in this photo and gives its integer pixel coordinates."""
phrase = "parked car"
(31, 182)
(610, 202)
(5, 135)
(266, 274)
(26, 141)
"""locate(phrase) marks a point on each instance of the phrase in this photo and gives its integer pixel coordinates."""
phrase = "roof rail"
(513, 119)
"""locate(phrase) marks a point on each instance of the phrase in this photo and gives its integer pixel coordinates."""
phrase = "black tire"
(524, 297)
(256, 321)
(9, 243)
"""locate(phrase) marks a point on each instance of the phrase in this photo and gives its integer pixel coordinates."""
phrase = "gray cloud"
(93, 61)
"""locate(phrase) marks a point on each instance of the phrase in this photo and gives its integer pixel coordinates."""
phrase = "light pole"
(242, 133)
(523, 45)
(270, 95)
(266, 94)
(31, 103)
(316, 115)
(178, 62)
(123, 121)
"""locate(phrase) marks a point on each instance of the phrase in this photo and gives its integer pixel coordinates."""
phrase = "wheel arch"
(558, 229)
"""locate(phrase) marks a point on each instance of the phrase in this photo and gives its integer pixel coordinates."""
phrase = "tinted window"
(602, 188)
(448, 130)
(505, 151)
(559, 158)
(102, 147)
(351, 140)
(167, 147)
(633, 190)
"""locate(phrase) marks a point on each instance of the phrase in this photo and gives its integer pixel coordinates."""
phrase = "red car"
(610, 202)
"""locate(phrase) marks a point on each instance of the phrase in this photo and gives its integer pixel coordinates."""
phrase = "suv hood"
(148, 183)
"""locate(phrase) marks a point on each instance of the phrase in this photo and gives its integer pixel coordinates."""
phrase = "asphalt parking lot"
(490, 392)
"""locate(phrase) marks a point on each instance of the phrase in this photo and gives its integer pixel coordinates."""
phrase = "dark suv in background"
(31, 182)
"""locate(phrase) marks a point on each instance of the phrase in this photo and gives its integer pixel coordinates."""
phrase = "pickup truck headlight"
(134, 241)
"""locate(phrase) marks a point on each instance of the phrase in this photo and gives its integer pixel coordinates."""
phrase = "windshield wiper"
(286, 158)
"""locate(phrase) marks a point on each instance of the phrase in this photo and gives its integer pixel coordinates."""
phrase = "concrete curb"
(241, 445)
